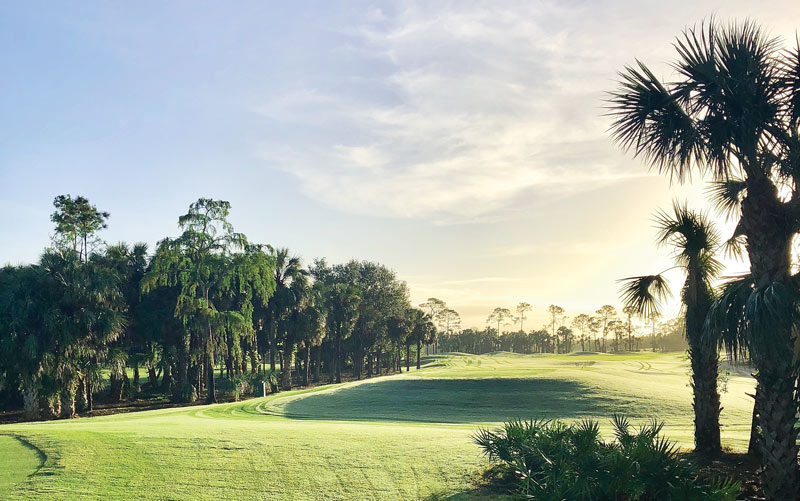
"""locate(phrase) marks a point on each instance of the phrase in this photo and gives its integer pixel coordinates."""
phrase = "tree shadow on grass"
(492, 483)
(456, 401)
(20, 460)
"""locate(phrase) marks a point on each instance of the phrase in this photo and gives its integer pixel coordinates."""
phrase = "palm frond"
(649, 119)
(645, 294)
(726, 196)
(694, 237)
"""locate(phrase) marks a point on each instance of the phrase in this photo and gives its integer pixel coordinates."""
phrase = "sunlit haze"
(462, 144)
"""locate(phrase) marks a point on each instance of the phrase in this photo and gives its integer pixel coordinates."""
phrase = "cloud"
(453, 111)
(450, 115)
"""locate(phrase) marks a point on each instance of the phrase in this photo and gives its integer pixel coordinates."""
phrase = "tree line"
(605, 331)
(205, 302)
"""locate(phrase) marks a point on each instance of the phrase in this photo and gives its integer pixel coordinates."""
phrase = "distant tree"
(522, 309)
(290, 284)
(77, 221)
(595, 326)
(424, 330)
(629, 312)
(607, 313)
(439, 313)
(556, 316)
(566, 337)
(581, 322)
(342, 301)
(130, 265)
(201, 263)
(434, 306)
(308, 321)
(399, 327)
(500, 316)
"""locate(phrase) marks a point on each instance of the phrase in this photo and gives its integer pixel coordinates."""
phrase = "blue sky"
(461, 143)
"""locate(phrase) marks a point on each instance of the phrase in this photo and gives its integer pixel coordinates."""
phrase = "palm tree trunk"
(307, 368)
(30, 401)
(706, 404)
(272, 340)
(317, 362)
(287, 360)
(769, 235)
(166, 379)
(754, 447)
(339, 358)
(89, 395)
(211, 396)
(135, 379)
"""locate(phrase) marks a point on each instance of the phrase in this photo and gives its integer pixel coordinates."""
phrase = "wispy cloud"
(453, 114)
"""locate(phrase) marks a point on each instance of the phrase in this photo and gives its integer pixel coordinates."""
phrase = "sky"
(462, 144)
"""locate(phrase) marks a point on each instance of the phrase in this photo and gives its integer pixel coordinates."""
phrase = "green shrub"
(248, 383)
(552, 461)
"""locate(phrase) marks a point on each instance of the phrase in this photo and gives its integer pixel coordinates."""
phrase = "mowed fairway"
(397, 437)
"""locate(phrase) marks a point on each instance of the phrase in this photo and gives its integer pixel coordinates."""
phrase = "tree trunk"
(181, 390)
(754, 447)
(152, 378)
(418, 353)
(115, 388)
(135, 388)
(408, 357)
(287, 361)
(317, 362)
(89, 395)
(307, 368)
(211, 396)
(68, 404)
(357, 362)
(30, 402)
(339, 358)
(379, 362)
(769, 230)
(273, 327)
(166, 379)
(254, 353)
(706, 401)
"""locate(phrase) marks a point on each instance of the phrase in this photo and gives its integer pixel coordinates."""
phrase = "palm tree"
(734, 114)
(290, 280)
(695, 241)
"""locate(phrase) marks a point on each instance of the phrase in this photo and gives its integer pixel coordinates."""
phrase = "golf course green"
(405, 436)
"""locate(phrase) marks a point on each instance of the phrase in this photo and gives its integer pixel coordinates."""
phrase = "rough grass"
(397, 437)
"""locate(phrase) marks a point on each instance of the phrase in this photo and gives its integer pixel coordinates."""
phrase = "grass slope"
(398, 437)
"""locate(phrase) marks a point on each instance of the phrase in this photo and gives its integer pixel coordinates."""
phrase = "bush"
(248, 383)
(552, 460)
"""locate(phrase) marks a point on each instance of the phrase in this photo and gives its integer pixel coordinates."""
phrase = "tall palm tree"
(734, 114)
(695, 241)
(290, 278)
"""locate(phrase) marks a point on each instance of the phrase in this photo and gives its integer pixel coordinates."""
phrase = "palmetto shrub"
(552, 460)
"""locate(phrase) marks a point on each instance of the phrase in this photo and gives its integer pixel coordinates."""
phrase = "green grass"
(18, 460)
(397, 437)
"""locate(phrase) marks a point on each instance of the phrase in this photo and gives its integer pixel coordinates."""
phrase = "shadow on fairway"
(456, 401)
(19, 459)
